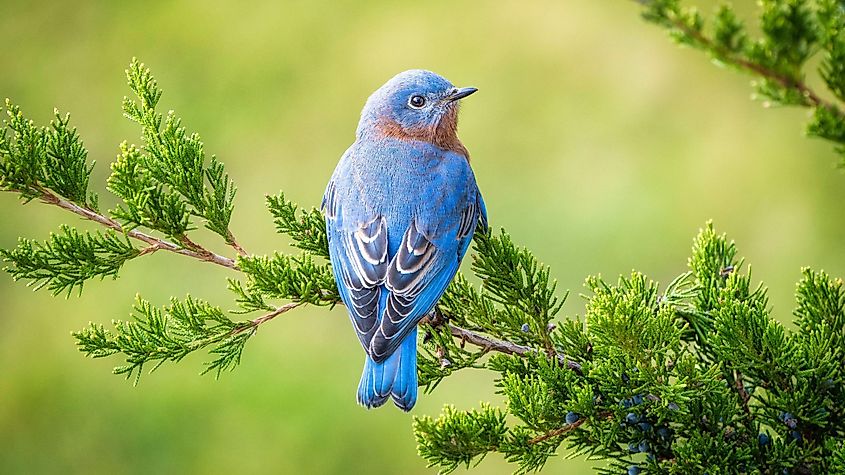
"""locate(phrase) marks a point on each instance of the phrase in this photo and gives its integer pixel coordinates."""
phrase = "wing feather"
(360, 263)
(389, 286)
(416, 278)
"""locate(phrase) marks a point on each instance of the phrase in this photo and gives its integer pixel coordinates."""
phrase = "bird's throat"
(444, 135)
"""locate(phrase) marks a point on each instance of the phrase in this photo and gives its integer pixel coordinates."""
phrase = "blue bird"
(401, 209)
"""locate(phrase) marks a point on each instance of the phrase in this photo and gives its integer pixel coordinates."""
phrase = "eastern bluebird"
(401, 209)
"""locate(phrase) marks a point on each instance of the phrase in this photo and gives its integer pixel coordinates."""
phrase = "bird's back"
(401, 181)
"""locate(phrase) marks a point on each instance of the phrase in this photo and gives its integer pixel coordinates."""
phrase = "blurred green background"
(597, 143)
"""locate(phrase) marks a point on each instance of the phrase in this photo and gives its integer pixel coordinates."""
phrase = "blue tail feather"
(395, 377)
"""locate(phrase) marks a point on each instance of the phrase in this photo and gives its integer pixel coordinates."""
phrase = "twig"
(197, 252)
(489, 344)
(149, 249)
(558, 432)
(254, 323)
(503, 346)
(744, 397)
(230, 240)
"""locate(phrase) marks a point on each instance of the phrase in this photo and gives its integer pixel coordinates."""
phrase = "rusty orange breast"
(444, 135)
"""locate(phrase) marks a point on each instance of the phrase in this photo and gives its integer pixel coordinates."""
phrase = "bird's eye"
(416, 101)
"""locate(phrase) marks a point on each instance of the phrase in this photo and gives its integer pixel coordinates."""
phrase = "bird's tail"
(395, 377)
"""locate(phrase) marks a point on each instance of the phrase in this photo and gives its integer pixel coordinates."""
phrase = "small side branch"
(254, 323)
(503, 346)
(196, 251)
(558, 432)
(489, 344)
(230, 239)
(744, 397)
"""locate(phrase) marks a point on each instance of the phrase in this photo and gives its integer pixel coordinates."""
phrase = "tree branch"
(813, 99)
(254, 323)
(557, 432)
(191, 249)
(230, 239)
(744, 397)
(489, 344)
(197, 252)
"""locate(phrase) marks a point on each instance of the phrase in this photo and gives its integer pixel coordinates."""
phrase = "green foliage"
(36, 159)
(515, 303)
(513, 277)
(516, 290)
(168, 181)
(162, 186)
(297, 278)
(146, 202)
(69, 258)
(637, 388)
(307, 228)
(155, 336)
(777, 51)
(458, 437)
(440, 356)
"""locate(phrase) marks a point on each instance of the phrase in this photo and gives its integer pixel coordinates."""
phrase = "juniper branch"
(68, 259)
(174, 162)
(488, 344)
(691, 32)
(791, 32)
(196, 251)
(557, 432)
(155, 336)
(256, 322)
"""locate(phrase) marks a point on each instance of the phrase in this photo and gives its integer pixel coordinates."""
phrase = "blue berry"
(643, 446)
(796, 436)
(626, 403)
(525, 328)
(572, 417)
(633, 470)
(791, 423)
(638, 399)
(663, 433)
(764, 439)
(644, 426)
(632, 418)
(625, 378)
(633, 447)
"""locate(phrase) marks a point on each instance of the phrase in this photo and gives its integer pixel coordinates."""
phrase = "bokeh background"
(597, 143)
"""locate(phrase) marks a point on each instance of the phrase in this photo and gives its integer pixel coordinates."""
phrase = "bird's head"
(415, 105)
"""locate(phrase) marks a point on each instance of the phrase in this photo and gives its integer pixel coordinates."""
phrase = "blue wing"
(417, 276)
(394, 258)
(359, 260)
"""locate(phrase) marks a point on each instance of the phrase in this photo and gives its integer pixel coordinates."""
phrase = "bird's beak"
(458, 94)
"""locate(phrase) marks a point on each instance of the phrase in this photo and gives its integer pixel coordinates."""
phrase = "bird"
(400, 209)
